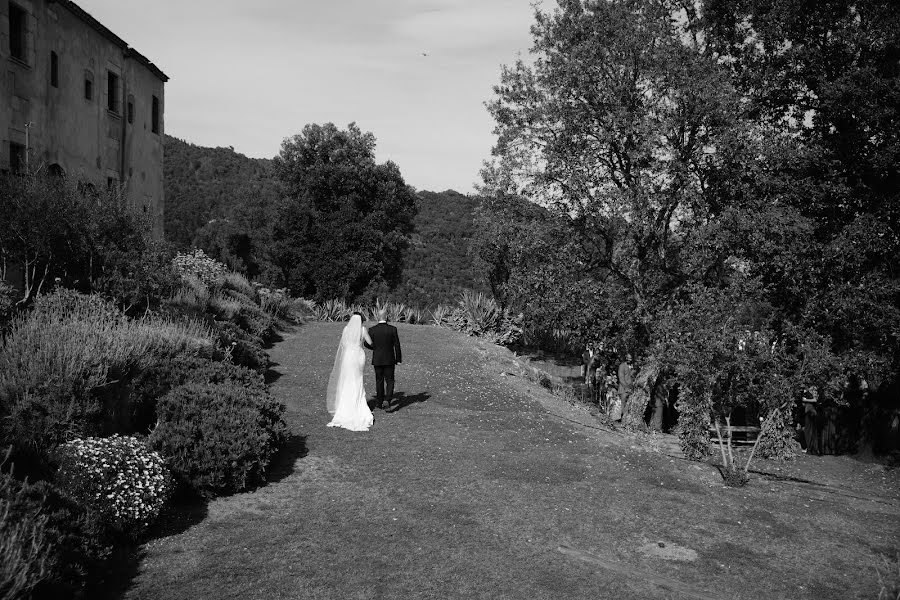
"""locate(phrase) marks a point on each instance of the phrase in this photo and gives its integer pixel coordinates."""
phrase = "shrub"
(53, 359)
(237, 283)
(119, 478)
(136, 273)
(218, 438)
(77, 546)
(192, 296)
(244, 348)
(198, 264)
(7, 302)
(24, 545)
(277, 303)
(166, 374)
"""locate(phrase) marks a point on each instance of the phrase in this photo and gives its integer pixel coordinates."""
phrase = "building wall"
(83, 137)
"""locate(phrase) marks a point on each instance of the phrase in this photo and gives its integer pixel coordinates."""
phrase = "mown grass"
(470, 489)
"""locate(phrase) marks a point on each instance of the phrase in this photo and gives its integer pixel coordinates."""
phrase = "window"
(154, 116)
(17, 31)
(110, 183)
(16, 157)
(112, 91)
(54, 69)
(130, 109)
(88, 86)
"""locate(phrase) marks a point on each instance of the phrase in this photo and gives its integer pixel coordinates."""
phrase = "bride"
(346, 398)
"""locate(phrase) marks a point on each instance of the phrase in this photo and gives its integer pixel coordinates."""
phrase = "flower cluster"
(198, 264)
(118, 477)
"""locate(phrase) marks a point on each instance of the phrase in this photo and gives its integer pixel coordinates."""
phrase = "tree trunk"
(636, 403)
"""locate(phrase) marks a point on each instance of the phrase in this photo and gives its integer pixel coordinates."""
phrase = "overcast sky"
(248, 74)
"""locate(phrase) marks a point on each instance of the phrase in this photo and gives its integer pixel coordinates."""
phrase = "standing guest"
(599, 383)
(613, 403)
(626, 380)
(811, 421)
(659, 396)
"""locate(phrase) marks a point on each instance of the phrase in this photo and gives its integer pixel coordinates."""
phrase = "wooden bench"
(741, 435)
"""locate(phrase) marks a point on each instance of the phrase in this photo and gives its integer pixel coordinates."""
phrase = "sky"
(415, 73)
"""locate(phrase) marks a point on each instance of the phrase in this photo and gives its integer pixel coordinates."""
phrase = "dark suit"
(385, 354)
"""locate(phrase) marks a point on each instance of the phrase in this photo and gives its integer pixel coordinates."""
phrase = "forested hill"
(437, 266)
(202, 184)
(224, 202)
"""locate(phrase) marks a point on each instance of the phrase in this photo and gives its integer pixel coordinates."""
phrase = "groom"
(385, 354)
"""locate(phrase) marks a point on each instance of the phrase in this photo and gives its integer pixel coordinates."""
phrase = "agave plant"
(332, 310)
(413, 316)
(395, 311)
(480, 310)
(440, 315)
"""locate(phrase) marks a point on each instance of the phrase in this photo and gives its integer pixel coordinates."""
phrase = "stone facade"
(81, 101)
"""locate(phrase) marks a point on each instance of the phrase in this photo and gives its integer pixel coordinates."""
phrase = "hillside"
(223, 202)
(437, 266)
(202, 184)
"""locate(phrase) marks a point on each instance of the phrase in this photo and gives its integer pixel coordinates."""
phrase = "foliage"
(343, 228)
(7, 302)
(277, 303)
(222, 202)
(56, 360)
(165, 374)
(77, 548)
(52, 231)
(652, 154)
(118, 477)
(24, 547)
(218, 438)
(437, 266)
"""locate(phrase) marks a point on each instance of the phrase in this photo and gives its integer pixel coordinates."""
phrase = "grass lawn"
(482, 485)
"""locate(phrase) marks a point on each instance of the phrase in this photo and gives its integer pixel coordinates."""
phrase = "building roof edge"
(127, 50)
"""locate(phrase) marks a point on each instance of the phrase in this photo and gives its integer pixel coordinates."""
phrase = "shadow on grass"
(272, 374)
(282, 465)
(403, 400)
(185, 511)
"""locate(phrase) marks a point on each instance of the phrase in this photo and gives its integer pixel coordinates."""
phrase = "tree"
(625, 123)
(342, 230)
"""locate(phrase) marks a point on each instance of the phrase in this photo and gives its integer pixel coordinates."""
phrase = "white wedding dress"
(346, 397)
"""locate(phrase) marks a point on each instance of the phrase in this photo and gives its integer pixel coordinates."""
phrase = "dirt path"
(484, 486)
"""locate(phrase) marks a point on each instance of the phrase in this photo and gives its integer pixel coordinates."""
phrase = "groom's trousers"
(384, 383)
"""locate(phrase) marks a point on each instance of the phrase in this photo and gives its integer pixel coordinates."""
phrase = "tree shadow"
(402, 400)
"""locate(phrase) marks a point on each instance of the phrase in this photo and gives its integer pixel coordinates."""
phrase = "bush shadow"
(272, 374)
(284, 461)
(186, 511)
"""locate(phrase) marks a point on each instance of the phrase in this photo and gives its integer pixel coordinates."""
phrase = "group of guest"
(610, 385)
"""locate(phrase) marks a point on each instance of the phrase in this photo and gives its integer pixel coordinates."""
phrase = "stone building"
(76, 99)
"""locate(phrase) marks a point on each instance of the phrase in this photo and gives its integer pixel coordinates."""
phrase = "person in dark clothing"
(386, 354)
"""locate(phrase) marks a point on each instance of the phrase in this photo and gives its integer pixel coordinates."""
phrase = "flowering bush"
(197, 264)
(118, 477)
